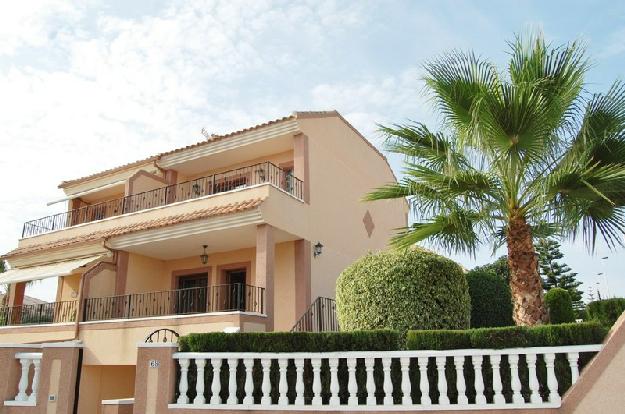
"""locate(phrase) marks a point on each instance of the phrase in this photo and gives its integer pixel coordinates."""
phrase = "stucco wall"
(104, 382)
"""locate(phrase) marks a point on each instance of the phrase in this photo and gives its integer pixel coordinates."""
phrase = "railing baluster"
(216, 382)
(335, 400)
(460, 383)
(573, 357)
(316, 388)
(480, 398)
(184, 381)
(387, 386)
(200, 363)
(535, 397)
(283, 364)
(424, 383)
(515, 382)
(266, 382)
(35, 384)
(443, 398)
(406, 398)
(352, 385)
(369, 366)
(232, 381)
(249, 384)
(299, 381)
(498, 397)
(23, 384)
(552, 381)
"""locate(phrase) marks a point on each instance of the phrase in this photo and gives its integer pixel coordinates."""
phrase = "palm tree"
(520, 155)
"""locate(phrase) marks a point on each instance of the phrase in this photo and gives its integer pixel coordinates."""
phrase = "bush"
(382, 340)
(560, 305)
(606, 311)
(491, 300)
(402, 290)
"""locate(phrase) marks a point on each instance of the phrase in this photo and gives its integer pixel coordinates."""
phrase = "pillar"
(300, 163)
(155, 377)
(265, 257)
(302, 277)
(60, 366)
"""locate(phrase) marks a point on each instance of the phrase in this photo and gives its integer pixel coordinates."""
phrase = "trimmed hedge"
(402, 290)
(606, 311)
(491, 300)
(560, 305)
(381, 340)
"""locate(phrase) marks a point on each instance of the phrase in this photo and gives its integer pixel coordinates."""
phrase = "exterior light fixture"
(318, 249)
(204, 256)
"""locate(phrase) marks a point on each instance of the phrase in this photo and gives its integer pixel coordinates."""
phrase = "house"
(241, 231)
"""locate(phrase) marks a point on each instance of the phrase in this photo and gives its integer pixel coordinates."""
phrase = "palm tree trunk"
(525, 283)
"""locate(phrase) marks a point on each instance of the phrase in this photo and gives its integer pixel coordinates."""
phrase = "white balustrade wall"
(28, 385)
(397, 380)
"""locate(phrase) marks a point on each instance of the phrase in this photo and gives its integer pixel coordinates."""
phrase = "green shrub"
(606, 311)
(402, 290)
(560, 305)
(382, 340)
(491, 300)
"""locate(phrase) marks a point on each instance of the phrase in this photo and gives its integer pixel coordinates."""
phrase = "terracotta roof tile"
(144, 225)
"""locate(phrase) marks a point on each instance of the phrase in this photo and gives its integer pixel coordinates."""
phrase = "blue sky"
(88, 85)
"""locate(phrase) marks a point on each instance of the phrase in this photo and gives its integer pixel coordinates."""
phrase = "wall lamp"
(317, 249)
(204, 256)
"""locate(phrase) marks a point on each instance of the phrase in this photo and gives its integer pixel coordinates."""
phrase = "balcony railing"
(265, 172)
(218, 298)
(44, 313)
(319, 317)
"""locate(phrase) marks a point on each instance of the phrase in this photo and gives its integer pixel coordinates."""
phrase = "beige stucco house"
(213, 236)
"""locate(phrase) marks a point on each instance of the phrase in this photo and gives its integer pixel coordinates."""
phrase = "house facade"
(240, 232)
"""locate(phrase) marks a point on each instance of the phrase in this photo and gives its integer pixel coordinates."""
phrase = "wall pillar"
(265, 257)
(11, 371)
(302, 277)
(16, 294)
(301, 164)
(155, 378)
(60, 365)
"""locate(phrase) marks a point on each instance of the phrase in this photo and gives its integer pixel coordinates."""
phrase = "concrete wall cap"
(65, 344)
(120, 401)
(20, 346)
(156, 345)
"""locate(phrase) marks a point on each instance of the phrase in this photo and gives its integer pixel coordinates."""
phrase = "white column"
(369, 365)
(299, 381)
(460, 384)
(573, 358)
(283, 385)
(552, 381)
(200, 363)
(535, 397)
(387, 386)
(216, 382)
(498, 398)
(249, 384)
(515, 382)
(406, 399)
(334, 382)
(266, 384)
(443, 399)
(35, 385)
(316, 386)
(183, 387)
(479, 380)
(424, 383)
(232, 381)
(352, 385)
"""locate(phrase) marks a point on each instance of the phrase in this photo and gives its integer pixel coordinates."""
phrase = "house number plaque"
(155, 363)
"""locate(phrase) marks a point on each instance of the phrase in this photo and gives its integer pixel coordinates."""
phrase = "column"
(302, 277)
(300, 163)
(265, 256)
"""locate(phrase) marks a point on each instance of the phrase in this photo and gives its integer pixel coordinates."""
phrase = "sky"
(88, 85)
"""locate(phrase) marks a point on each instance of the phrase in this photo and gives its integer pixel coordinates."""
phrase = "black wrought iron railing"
(265, 172)
(218, 298)
(44, 313)
(319, 317)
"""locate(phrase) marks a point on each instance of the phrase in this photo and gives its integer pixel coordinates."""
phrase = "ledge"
(121, 401)
(20, 403)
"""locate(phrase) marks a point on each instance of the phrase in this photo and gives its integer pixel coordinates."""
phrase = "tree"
(499, 268)
(520, 155)
(557, 274)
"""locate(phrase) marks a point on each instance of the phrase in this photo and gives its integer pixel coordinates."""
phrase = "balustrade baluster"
(283, 385)
(200, 363)
(334, 381)
(299, 381)
(387, 386)
(498, 397)
(552, 381)
(515, 382)
(535, 397)
(460, 384)
(316, 388)
(424, 383)
(216, 382)
(266, 384)
(369, 367)
(352, 385)
(479, 380)
(183, 387)
(573, 357)
(249, 384)
(23, 384)
(443, 398)
(406, 398)
(232, 381)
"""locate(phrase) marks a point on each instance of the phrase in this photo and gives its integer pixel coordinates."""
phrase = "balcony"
(234, 297)
(262, 173)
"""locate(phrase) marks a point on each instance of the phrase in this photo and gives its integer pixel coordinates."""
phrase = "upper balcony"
(245, 177)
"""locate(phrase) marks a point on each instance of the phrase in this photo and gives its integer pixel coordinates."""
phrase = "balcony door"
(191, 293)
(235, 279)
